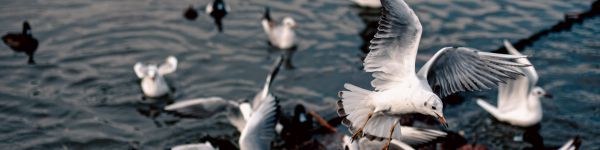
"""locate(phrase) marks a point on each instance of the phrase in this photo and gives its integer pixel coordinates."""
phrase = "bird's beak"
(548, 95)
(441, 119)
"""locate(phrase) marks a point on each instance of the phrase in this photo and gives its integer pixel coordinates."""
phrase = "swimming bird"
(280, 36)
(399, 90)
(217, 10)
(153, 83)
(410, 136)
(190, 13)
(22, 42)
(367, 3)
(518, 100)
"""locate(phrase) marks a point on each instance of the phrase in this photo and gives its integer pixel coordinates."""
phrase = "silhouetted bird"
(22, 42)
(190, 13)
(217, 9)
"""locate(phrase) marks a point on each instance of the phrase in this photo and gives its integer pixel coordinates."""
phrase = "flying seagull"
(519, 99)
(399, 90)
(281, 36)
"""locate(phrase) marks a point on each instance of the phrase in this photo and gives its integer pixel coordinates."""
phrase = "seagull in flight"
(519, 99)
(280, 36)
(400, 90)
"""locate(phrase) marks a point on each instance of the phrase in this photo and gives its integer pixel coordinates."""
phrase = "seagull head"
(152, 72)
(289, 22)
(433, 107)
(540, 92)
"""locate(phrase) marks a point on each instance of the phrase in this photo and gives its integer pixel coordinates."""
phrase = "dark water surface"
(83, 93)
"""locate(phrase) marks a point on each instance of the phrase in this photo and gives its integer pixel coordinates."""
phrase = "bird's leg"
(355, 135)
(389, 140)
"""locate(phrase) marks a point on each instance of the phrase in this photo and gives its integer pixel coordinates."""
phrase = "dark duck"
(22, 42)
(190, 13)
(217, 9)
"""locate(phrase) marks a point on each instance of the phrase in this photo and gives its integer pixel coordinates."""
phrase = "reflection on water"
(83, 94)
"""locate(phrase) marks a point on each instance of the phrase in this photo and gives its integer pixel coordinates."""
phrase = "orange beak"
(441, 119)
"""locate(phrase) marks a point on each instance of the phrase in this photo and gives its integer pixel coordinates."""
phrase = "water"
(83, 93)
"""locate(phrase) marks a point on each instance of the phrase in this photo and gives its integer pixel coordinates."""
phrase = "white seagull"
(209, 106)
(399, 90)
(518, 100)
(368, 3)
(410, 136)
(153, 83)
(280, 36)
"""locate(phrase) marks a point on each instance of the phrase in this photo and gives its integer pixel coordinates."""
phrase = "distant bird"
(518, 100)
(190, 13)
(153, 83)
(22, 42)
(399, 90)
(280, 36)
(217, 9)
(300, 128)
(368, 3)
(410, 136)
(572, 144)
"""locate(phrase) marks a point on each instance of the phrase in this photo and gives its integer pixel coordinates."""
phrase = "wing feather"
(393, 49)
(259, 131)
(454, 68)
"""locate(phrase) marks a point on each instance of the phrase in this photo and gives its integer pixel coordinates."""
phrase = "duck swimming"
(22, 42)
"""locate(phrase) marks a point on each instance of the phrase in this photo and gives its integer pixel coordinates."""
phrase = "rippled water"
(83, 93)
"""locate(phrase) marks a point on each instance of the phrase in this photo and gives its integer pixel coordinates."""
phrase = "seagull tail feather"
(489, 108)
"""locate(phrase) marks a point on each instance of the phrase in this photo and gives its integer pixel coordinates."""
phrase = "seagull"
(368, 3)
(190, 13)
(280, 36)
(410, 136)
(399, 90)
(153, 83)
(22, 42)
(217, 9)
(572, 144)
(519, 99)
(212, 105)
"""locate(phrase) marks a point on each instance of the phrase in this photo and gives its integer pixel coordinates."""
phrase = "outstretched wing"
(202, 107)
(169, 66)
(515, 92)
(394, 48)
(456, 69)
(259, 131)
(265, 93)
(140, 70)
(417, 136)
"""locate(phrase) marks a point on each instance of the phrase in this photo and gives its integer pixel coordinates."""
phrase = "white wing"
(515, 92)
(456, 69)
(209, 8)
(572, 144)
(366, 144)
(265, 93)
(393, 50)
(169, 66)
(259, 131)
(417, 136)
(202, 107)
(140, 70)
(197, 146)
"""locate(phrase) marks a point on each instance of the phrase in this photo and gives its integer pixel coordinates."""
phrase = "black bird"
(217, 9)
(190, 13)
(22, 42)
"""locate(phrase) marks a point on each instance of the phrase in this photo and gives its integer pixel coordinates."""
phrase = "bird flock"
(374, 117)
